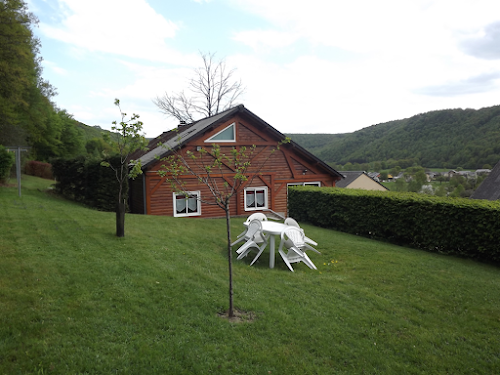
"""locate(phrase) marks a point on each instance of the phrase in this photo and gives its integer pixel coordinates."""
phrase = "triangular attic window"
(225, 135)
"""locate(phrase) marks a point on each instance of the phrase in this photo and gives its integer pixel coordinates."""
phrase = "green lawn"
(75, 299)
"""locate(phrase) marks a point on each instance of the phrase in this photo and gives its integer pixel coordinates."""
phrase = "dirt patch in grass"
(239, 316)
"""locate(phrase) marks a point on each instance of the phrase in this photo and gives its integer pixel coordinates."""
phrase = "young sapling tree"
(223, 175)
(127, 140)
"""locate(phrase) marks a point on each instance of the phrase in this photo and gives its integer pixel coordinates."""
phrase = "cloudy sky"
(316, 66)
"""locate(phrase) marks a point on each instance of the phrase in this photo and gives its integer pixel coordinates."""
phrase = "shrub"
(39, 169)
(85, 180)
(6, 163)
(457, 226)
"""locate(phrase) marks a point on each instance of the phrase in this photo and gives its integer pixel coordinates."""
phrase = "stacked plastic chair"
(293, 239)
(254, 238)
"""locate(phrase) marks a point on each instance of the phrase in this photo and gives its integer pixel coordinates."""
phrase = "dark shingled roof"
(175, 138)
(178, 137)
(349, 177)
(490, 187)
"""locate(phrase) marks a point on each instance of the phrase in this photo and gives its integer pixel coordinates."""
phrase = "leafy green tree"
(98, 147)
(348, 167)
(417, 181)
(128, 140)
(71, 136)
(440, 191)
(384, 176)
(457, 191)
(59, 136)
(357, 167)
(24, 95)
(6, 163)
(457, 180)
(400, 185)
(223, 174)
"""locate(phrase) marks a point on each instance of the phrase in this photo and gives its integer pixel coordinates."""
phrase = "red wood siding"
(281, 167)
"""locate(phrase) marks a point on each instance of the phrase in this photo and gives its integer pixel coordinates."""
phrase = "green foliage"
(18, 49)
(84, 180)
(127, 140)
(60, 137)
(97, 147)
(445, 139)
(6, 163)
(25, 107)
(462, 227)
(417, 178)
(400, 185)
(27, 115)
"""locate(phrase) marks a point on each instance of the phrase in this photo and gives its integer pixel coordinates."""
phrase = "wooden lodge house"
(236, 127)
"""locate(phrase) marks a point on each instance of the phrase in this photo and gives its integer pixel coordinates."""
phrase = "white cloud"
(132, 29)
(265, 39)
(384, 26)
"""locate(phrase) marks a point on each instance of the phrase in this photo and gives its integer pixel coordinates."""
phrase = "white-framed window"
(227, 134)
(187, 204)
(255, 198)
(317, 183)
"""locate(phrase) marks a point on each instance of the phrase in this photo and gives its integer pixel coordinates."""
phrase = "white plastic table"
(274, 229)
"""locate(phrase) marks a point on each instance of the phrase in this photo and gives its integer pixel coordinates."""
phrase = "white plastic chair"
(293, 239)
(254, 237)
(307, 240)
(256, 216)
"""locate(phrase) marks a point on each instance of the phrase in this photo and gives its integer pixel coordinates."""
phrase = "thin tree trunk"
(120, 219)
(230, 258)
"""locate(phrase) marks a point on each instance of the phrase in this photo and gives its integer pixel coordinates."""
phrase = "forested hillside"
(451, 138)
(28, 116)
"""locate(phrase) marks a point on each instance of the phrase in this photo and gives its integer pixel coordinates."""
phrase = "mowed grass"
(75, 299)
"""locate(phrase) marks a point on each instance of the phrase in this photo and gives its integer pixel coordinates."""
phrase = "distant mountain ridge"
(448, 138)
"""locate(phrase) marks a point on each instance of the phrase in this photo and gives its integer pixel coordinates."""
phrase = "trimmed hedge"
(85, 180)
(464, 227)
(39, 169)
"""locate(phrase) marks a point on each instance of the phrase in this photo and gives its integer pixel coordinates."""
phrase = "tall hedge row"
(85, 180)
(464, 227)
(38, 169)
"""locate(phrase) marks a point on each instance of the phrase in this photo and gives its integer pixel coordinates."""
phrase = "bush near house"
(39, 169)
(456, 226)
(85, 180)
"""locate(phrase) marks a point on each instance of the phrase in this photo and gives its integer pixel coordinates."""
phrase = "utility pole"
(18, 150)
